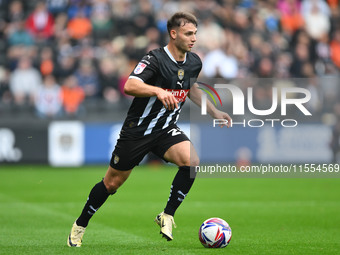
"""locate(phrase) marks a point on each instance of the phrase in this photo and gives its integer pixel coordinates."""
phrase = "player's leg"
(100, 192)
(126, 155)
(184, 155)
(180, 151)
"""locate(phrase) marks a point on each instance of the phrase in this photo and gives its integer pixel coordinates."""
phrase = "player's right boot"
(165, 221)
(76, 236)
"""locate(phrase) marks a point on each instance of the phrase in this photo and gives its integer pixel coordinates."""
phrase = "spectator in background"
(101, 20)
(46, 61)
(265, 68)
(16, 52)
(267, 51)
(79, 27)
(14, 14)
(65, 67)
(123, 13)
(270, 15)
(255, 43)
(87, 78)
(282, 65)
(24, 82)
(322, 50)
(64, 47)
(335, 48)
(302, 37)
(333, 4)
(72, 97)
(19, 36)
(57, 6)
(203, 8)
(217, 64)
(79, 7)
(309, 6)
(109, 81)
(144, 19)
(48, 101)
(291, 18)
(216, 37)
(241, 23)
(279, 43)
(60, 26)
(258, 25)
(301, 56)
(40, 22)
(317, 22)
(286, 6)
(153, 37)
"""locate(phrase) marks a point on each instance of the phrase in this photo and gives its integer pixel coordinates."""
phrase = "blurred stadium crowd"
(65, 58)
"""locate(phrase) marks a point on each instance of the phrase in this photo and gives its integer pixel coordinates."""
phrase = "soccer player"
(160, 84)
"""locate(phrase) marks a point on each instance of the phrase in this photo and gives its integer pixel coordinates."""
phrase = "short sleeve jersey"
(147, 115)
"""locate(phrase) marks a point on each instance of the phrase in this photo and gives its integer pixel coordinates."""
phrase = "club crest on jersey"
(115, 159)
(139, 68)
(180, 74)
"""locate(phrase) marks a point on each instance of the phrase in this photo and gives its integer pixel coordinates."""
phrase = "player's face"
(186, 37)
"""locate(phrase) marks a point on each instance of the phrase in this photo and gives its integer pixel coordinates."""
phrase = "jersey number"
(174, 132)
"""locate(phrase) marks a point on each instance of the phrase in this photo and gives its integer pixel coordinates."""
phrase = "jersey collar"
(171, 57)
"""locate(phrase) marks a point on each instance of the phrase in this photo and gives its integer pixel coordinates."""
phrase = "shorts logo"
(115, 159)
(139, 68)
(180, 74)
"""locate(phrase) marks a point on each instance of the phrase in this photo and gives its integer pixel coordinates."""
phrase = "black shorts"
(128, 152)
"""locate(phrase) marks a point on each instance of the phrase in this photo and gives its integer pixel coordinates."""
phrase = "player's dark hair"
(180, 19)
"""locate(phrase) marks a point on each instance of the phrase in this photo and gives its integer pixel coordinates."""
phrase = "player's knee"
(113, 184)
(192, 161)
(111, 187)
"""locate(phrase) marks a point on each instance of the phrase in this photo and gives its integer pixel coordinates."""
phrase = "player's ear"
(173, 34)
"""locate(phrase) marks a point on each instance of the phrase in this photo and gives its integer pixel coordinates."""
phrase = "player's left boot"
(165, 221)
(76, 236)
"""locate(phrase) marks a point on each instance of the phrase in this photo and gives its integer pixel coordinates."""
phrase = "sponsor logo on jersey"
(180, 83)
(139, 68)
(180, 74)
(179, 94)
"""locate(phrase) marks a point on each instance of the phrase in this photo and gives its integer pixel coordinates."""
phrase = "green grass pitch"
(267, 216)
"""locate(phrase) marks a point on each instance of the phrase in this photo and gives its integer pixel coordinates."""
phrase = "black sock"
(97, 197)
(179, 189)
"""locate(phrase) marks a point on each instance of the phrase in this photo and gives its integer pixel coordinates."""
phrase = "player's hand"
(222, 115)
(168, 100)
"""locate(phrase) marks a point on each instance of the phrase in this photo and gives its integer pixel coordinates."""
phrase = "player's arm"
(137, 88)
(145, 70)
(195, 96)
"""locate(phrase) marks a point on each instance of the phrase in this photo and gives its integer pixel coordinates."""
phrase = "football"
(215, 233)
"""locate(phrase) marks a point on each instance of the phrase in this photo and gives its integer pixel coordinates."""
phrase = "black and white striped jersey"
(147, 115)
